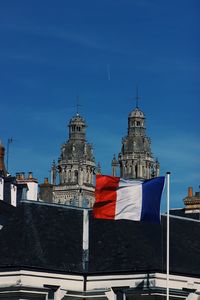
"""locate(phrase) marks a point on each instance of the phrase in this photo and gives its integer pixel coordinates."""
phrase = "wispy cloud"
(164, 63)
(82, 38)
(179, 149)
(180, 156)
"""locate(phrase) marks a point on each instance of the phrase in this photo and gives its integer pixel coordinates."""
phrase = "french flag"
(136, 200)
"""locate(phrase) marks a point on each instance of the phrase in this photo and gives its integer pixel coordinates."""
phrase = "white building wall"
(32, 192)
(13, 192)
(1, 188)
(39, 279)
(69, 284)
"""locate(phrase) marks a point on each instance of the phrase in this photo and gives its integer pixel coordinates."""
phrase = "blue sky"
(52, 51)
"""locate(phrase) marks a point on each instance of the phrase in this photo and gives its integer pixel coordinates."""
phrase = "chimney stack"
(17, 175)
(190, 192)
(22, 175)
(30, 175)
(46, 180)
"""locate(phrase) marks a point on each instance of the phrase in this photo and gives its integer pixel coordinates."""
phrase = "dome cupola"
(137, 113)
(136, 122)
(77, 127)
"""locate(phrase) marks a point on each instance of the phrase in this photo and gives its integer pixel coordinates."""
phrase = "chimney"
(2, 154)
(46, 180)
(22, 175)
(17, 175)
(190, 192)
(30, 175)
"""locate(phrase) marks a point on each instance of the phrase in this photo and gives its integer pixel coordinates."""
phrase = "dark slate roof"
(7, 192)
(6, 210)
(128, 246)
(49, 237)
(42, 237)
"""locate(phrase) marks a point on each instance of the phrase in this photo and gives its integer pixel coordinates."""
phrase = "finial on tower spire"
(137, 98)
(77, 105)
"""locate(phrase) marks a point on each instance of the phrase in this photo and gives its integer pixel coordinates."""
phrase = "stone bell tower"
(76, 168)
(136, 159)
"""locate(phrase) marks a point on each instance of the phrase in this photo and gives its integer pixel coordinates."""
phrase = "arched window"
(136, 171)
(76, 176)
(69, 176)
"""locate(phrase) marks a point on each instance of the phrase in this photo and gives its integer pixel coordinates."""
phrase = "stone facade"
(136, 159)
(76, 168)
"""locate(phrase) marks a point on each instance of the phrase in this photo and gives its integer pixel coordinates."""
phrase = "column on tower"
(98, 169)
(114, 165)
(53, 173)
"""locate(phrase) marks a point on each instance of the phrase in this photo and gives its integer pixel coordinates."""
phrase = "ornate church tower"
(76, 167)
(136, 159)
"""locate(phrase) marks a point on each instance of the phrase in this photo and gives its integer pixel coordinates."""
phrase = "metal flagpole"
(168, 206)
(85, 238)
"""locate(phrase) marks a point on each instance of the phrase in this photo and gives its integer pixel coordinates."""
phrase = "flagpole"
(85, 245)
(168, 207)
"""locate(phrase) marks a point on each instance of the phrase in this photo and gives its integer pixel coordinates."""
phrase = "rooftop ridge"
(55, 205)
(179, 208)
(182, 218)
(90, 209)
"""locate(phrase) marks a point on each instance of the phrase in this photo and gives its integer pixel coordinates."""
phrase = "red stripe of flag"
(105, 196)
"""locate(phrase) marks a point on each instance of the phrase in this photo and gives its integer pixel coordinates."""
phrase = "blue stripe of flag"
(151, 198)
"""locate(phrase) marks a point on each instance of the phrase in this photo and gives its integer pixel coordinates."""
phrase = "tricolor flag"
(136, 200)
